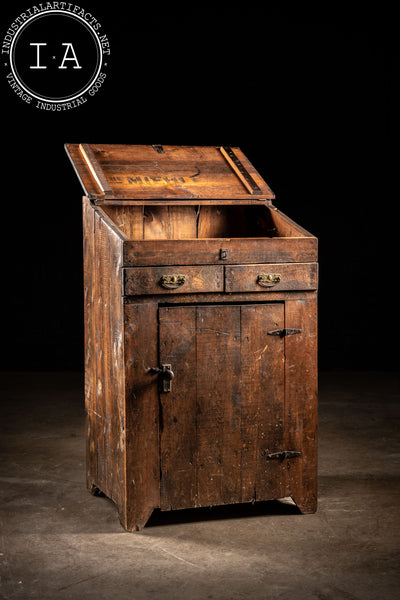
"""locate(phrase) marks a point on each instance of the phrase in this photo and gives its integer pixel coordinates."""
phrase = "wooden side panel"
(106, 414)
(285, 227)
(178, 416)
(301, 400)
(263, 402)
(89, 341)
(142, 414)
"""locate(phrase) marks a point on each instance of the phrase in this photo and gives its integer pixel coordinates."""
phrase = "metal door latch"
(284, 332)
(167, 376)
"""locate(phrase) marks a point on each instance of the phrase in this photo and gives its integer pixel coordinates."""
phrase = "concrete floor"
(58, 541)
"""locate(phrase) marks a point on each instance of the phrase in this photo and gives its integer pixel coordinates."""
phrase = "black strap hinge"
(284, 332)
(284, 454)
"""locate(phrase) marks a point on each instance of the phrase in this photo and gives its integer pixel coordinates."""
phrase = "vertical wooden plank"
(108, 347)
(89, 341)
(301, 400)
(114, 365)
(183, 222)
(271, 474)
(156, 223)
(170, 222)
(263, 406)
(142, 414)
(250, 414)
(218, 404)
(100, 408)
(128, 218)
(223, 221)
(228, 370)
(211, 222)
(177, 346)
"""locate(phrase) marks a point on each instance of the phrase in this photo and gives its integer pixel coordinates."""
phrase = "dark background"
(311, 105)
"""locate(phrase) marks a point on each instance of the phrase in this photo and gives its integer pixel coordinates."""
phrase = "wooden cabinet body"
(190, 272)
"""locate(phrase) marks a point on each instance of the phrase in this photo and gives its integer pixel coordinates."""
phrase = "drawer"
(173, 279)
(277, 277)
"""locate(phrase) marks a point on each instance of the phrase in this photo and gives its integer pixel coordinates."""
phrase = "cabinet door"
(225, 413)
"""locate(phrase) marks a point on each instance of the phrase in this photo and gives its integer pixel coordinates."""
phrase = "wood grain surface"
(147, 280)
(293, 276)
(179, 172)
(239, 422)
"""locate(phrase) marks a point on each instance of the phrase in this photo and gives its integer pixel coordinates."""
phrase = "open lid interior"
(122, 174)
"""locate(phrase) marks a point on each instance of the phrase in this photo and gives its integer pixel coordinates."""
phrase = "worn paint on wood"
(142, 414)
(104, 373)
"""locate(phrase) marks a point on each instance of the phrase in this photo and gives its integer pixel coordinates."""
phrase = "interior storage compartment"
(177, 222)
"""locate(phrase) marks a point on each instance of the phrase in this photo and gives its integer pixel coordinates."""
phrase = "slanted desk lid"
(122, 174)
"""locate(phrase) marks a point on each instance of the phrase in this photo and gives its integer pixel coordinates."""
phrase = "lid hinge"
(158, 148)
(284, 454)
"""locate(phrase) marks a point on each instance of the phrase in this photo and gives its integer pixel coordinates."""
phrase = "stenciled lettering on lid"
(145, 180)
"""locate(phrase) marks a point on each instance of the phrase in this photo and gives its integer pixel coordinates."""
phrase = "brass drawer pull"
(172, 282)
(268, 279)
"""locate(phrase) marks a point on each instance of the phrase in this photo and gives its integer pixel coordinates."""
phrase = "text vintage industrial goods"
(56, 56)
